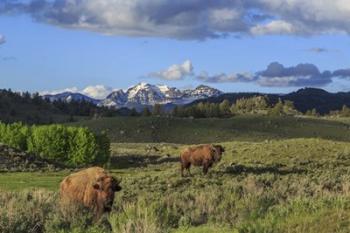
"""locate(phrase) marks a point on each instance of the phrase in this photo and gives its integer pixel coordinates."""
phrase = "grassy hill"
(240, 128)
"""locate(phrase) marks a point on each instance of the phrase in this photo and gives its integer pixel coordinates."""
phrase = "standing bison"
(202, 155)
(93, 188)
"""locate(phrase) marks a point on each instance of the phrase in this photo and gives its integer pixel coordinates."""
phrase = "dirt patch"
(13, 160)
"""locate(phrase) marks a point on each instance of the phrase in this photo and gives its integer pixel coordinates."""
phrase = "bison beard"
(203, 155)
(93, 188)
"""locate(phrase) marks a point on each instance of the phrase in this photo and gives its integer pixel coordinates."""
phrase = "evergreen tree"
(277, 110)
(146, 112)
(157, 110)
(345, 112)
(224, 108)
(133, 112)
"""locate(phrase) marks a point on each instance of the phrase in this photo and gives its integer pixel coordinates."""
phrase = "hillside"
(239, 128)
(33, 109)
(304, 99)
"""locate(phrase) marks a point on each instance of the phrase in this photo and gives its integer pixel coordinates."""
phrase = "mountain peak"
(144, 94)
(203, 86)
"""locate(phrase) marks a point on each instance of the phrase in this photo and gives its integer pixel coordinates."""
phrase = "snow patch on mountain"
(142, 94)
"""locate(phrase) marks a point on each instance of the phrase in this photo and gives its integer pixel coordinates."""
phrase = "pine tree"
(157, 110)
(224, 107)
(345, 112)
(134, 112)
(314, 112)
(277, 110)
(146, 112)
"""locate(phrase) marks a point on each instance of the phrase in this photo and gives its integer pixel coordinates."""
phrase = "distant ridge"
(304, 99)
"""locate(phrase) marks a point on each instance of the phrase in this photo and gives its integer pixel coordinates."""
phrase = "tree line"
(251, 105)
(71, 146)
(34, 109)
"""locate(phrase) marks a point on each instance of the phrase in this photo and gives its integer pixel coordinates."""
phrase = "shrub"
(24, 211)
(68, 145)
(83, 148)
(14, 135)
(49, 142)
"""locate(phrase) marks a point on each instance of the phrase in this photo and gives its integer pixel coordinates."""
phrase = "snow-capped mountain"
(116, 98)
(69, 96)
(143, 94)
(148, 94)
(202, 91)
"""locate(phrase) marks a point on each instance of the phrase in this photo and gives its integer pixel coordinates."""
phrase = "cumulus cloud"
(342, 73)
(297, 76)
(274, 27)
(96, 92)
(2, 39)
(226, 78)
(175, 72)
(277, 75)
(190, 19)
(55, 92)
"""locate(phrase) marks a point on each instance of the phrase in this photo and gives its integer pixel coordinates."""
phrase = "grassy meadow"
(207, 130)
(283, 174)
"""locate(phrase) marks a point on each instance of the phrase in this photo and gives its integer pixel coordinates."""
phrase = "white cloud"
(190, 19)
(226, 78)
(281, 81)
(55, 92)
(274, 27)
(277, 75)
(175, 72)
(311, 16)
(97, 92)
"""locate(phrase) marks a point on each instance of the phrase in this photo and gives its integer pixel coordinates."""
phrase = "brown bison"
(202, 155)
(93, 188)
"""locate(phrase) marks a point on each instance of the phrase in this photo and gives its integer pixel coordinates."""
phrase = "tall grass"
(37, 211)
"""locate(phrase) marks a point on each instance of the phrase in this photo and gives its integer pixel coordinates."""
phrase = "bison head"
(219, 150)
(105, 187)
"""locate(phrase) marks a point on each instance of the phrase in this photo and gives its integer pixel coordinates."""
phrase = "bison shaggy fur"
(93, 188)
(201, 155)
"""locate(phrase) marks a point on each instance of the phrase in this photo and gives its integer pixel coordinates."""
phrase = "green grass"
(293, 185)
(278, 175)
(27, 180)
(205, 229)
(239, 128)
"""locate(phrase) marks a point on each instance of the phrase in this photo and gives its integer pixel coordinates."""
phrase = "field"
(277, 175)
(240, 128)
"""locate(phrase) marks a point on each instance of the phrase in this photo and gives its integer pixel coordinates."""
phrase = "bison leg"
(185, 166)
(206, 166)
(205, 169)
(188, 169)
(182, 169)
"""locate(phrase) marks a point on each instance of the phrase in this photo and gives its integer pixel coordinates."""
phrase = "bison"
(202, 155)
(93, 188)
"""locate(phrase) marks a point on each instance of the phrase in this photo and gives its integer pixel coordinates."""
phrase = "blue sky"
(42, 51)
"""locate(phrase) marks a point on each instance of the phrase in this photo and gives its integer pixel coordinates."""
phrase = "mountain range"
(144, 94)
(141, 95)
